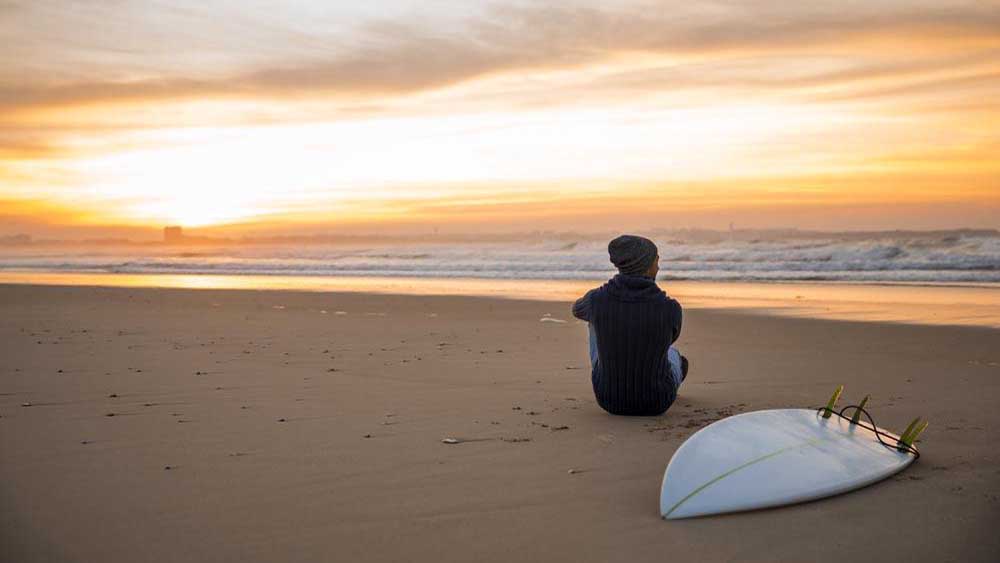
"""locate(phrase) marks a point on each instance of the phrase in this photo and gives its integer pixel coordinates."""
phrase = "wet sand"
(232, 425)
(939, 304)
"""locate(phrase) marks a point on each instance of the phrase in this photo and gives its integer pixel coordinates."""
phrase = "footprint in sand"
(516, 440)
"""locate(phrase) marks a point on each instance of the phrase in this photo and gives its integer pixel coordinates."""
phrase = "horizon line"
(26, 239)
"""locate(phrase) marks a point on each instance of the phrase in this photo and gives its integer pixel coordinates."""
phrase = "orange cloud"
(510, 115)
(392, 58)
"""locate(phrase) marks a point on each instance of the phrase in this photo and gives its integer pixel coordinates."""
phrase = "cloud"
(632, 87)
(387, 57)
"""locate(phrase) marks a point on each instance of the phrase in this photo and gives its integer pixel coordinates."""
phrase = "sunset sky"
(120, 116)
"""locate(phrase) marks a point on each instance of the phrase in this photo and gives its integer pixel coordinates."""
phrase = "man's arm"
(677, 319)
(581, 309)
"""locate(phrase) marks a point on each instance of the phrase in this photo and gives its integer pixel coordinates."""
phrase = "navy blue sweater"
(634, 322)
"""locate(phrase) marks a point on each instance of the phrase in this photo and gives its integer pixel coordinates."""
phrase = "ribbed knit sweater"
(634, 322)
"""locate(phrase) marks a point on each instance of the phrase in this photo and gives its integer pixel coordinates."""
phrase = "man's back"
(634, 323)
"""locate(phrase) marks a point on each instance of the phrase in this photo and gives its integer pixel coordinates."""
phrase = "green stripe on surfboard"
(738, 468)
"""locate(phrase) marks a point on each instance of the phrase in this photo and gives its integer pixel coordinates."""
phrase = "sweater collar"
(634, 288)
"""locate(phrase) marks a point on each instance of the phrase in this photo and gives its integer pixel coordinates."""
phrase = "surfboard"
(773, 458)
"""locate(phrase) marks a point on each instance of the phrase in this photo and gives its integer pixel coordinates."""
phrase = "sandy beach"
(141, 424)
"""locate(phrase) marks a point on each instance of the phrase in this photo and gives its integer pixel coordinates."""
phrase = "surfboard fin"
(828, 411)
(905, 439)
(920, 429)
(910, 437)
(857, 411)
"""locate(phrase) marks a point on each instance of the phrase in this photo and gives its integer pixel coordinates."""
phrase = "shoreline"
(25, 274)
(905, 303)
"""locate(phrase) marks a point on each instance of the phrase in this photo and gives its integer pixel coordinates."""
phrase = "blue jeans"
(673, 358)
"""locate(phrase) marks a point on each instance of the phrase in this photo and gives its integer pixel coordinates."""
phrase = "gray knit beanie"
(632, 254)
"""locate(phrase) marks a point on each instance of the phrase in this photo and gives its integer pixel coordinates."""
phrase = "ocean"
(960, 257)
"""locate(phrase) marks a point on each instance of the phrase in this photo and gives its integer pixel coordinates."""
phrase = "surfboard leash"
(900, 445)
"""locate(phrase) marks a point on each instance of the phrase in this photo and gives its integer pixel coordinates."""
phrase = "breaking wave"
(848, 257)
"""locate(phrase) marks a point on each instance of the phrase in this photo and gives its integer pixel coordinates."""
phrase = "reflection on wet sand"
(970, 305)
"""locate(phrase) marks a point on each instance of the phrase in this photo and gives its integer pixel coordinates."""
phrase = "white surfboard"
(772, 458)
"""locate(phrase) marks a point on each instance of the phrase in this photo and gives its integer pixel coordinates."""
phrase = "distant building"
(173, 235)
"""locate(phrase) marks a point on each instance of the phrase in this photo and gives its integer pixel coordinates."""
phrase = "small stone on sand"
(451, 441)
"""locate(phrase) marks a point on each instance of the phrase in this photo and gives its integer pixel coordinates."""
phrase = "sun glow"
(211, 176)
(551, 131)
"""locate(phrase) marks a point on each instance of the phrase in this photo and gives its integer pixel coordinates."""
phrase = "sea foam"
(921, 258)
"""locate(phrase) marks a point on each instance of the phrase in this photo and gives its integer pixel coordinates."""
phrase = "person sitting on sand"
(633, 326)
